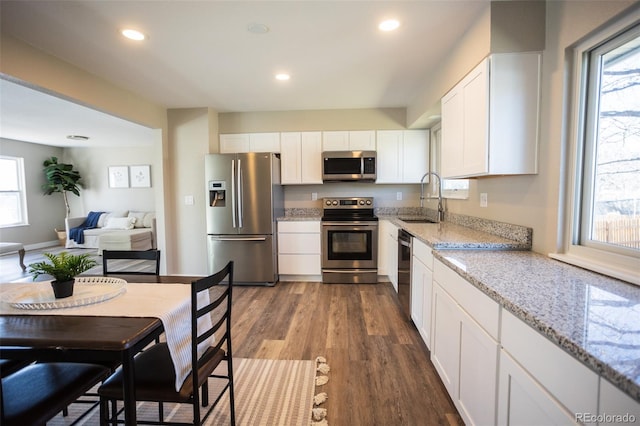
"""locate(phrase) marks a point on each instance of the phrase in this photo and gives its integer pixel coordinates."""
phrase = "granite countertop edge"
(547, 329)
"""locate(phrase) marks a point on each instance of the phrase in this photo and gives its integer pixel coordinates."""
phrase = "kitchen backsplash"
(518, 233)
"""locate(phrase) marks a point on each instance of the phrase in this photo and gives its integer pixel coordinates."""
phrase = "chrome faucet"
(440, 207)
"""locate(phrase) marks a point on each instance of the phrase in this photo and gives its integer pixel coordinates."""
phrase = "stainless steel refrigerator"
(245, 199)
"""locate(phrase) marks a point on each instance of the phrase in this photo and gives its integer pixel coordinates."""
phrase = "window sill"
(620, 272)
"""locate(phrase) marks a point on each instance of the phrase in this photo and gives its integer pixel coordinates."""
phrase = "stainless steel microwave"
(347, 166)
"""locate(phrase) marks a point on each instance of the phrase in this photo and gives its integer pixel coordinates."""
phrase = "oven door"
(349, 245)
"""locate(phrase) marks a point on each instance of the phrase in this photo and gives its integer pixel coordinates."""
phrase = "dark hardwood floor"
(380, 369)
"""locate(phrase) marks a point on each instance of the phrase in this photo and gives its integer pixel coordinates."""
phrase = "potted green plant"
(63, 268)
(61, 178)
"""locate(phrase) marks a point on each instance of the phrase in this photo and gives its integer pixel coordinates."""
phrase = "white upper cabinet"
(402, 155)
(230, 144)
(250, 142)
(354, 140)
(490, 119)
(301, 158)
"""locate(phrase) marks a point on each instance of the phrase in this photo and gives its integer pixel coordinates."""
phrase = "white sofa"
(124, 230)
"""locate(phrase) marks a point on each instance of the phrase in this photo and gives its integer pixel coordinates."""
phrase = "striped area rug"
(267, 392)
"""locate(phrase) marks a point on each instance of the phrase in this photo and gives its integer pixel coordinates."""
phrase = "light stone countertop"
(594, 318)
(447, 235)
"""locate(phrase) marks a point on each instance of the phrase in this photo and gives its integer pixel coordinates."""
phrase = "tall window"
(13, 206)
(610, 211)
(602, 229)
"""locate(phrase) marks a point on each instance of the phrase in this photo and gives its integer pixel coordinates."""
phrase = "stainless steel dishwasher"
(404, 271)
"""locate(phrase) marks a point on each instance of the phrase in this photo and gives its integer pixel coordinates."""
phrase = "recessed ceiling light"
(283, 76)
(257, 28)
(389, 25)
(78, 138)
(133, 34)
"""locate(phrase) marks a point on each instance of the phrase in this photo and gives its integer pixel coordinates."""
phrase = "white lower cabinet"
(466, 358)
(299, 249)
(566, 382)
(616, 407)
(388, 251)
(522, 401)
(498, 370)
(465, 348)
(445, 350)
(422, 289)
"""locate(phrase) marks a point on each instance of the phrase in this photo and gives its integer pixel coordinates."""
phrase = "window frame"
(598, 257)
(21, 191)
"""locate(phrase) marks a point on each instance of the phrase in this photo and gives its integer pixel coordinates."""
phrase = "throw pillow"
(104, 218)
(148, 219)
(139, 217)
(120, 223)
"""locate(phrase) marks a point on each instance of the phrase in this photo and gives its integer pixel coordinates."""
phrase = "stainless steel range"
(349, 241)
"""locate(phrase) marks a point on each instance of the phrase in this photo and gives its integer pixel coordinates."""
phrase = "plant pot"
(62, 237)
(62, 289)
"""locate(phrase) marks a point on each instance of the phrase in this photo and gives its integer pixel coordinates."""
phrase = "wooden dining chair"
(38, 392)
(131, 262)
(154, 370)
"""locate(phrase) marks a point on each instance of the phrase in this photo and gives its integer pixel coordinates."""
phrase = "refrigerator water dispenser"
(217, 193)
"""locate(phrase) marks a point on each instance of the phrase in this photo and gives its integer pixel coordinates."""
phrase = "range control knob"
(361, 202)
(368, 202)
(334, 202)
(328, 202)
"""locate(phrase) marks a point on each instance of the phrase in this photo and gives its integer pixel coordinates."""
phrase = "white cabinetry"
(422, 289)
(403, 155)
(388, 251)
(299, 249)
(616, 407)
(353, 140)
(464, 344)
(523, 401)
(301, 157)
(547, 377)
(490, 119)
(250, 142)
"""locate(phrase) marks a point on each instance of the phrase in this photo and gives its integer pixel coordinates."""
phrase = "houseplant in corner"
(61, 178)
(63, 268)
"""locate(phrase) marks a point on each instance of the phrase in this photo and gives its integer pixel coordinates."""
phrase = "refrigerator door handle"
(233, 193)
(240, 194)
(216, 238)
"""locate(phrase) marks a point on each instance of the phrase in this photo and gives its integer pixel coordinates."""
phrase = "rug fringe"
(318, 415)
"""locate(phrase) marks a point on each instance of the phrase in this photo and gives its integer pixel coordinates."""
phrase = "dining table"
(108, 331)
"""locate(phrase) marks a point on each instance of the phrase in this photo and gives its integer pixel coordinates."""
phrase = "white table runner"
(171, 303)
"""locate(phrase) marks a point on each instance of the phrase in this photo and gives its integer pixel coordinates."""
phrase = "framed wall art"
(118, 177)
(140, 176)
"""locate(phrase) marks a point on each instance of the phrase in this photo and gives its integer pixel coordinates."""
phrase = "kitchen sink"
(418, 220)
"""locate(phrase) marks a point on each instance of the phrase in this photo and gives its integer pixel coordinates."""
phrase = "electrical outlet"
(399, 196)
(188, 200)
(314, 196)
(483, 199)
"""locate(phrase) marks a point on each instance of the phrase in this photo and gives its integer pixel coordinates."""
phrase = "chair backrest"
(216, 306)
(131, 262)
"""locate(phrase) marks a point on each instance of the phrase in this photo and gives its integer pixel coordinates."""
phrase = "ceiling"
(201, 54)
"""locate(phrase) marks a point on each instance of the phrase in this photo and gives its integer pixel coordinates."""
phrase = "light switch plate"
(483, 199)
(188, 200)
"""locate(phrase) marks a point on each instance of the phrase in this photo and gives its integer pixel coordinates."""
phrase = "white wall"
(192, 135)
(93, 164)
